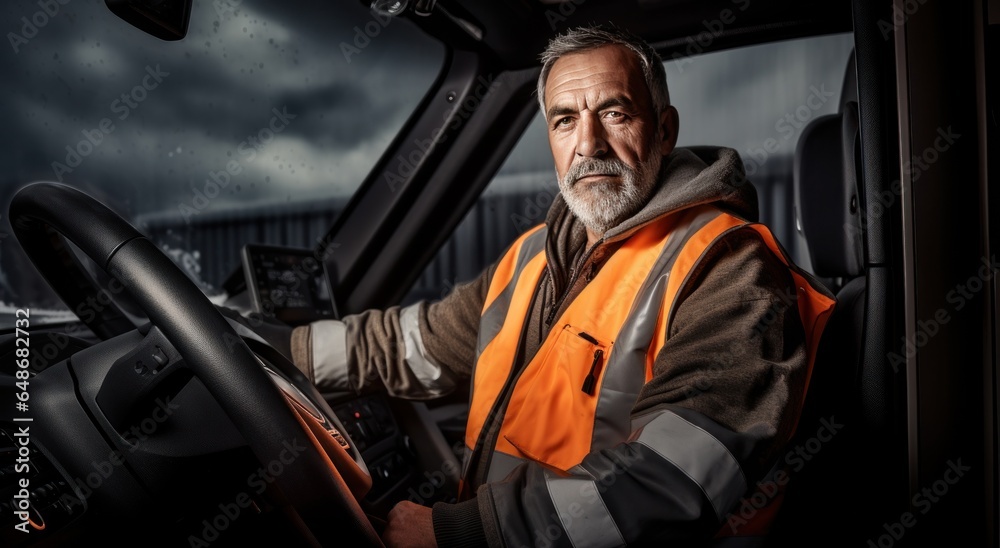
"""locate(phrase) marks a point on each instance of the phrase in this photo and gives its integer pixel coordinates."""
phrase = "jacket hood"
(689, 177)
(695, 176)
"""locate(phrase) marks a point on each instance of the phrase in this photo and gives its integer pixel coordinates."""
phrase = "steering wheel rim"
(43, 214)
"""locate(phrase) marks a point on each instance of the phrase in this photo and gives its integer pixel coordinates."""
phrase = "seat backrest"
(829, 216)
(828, 213)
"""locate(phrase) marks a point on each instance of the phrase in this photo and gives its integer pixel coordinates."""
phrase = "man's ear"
(669, 125)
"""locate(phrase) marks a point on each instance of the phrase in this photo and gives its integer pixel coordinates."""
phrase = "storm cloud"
(239, 61)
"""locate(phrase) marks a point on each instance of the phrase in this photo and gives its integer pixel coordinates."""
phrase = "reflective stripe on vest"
(613, 330)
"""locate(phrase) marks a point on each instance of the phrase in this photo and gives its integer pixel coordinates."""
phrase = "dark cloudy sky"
(242, 59)
(240, 62)
(225, 78)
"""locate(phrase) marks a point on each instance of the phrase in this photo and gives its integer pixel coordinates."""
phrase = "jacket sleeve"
(723, 400)
(421, 351)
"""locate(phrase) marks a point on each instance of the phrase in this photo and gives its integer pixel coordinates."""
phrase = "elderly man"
(636, 364)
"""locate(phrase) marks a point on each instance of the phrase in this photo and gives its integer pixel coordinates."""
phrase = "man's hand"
(410, 525)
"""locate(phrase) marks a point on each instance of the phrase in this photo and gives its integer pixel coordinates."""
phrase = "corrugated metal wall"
(489, 227)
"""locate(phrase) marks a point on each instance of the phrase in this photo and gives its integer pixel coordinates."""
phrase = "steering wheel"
(316, 487)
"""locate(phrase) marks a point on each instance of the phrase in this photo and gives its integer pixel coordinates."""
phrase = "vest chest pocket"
(550, 417)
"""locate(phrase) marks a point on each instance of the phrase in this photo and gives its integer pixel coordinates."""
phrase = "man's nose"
(591, 140)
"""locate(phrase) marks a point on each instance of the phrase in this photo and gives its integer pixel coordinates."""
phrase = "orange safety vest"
(576, 394)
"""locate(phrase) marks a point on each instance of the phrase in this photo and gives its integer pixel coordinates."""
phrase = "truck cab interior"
(168, 163)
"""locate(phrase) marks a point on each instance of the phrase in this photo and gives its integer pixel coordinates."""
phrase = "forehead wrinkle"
(589, 87)
(590, 98)
(577, 76)
(586, 84)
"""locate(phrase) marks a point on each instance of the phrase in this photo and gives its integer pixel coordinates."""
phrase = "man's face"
(606, 139)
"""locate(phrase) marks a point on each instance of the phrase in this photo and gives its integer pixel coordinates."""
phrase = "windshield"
(256, 127)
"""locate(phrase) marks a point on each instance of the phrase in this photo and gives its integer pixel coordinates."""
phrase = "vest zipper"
(572, 281)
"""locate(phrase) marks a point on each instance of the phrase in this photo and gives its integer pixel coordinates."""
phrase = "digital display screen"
(288, 283)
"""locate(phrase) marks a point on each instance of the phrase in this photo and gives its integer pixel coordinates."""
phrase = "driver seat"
(828, 213)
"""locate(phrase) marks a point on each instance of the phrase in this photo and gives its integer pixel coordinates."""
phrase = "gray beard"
(603, 205)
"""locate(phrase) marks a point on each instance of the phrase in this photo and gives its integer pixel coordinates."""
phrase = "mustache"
(596, 166)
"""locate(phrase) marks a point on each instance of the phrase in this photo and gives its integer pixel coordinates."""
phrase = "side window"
(756, 100)
(515, 200)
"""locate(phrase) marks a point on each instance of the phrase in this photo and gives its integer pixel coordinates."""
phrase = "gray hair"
(585, 38)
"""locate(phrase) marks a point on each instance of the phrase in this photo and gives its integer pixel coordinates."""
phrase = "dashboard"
(108, 460)
(288, 283)
(293, 286)
(34, 498)
(395, 461)
(64, 500)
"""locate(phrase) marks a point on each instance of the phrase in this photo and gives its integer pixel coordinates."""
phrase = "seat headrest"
(827, 207)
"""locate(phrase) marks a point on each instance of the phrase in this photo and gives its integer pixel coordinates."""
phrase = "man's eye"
(564, 121)
(614, 115)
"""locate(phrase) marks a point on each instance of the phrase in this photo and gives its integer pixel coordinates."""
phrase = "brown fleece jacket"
(735, 350)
